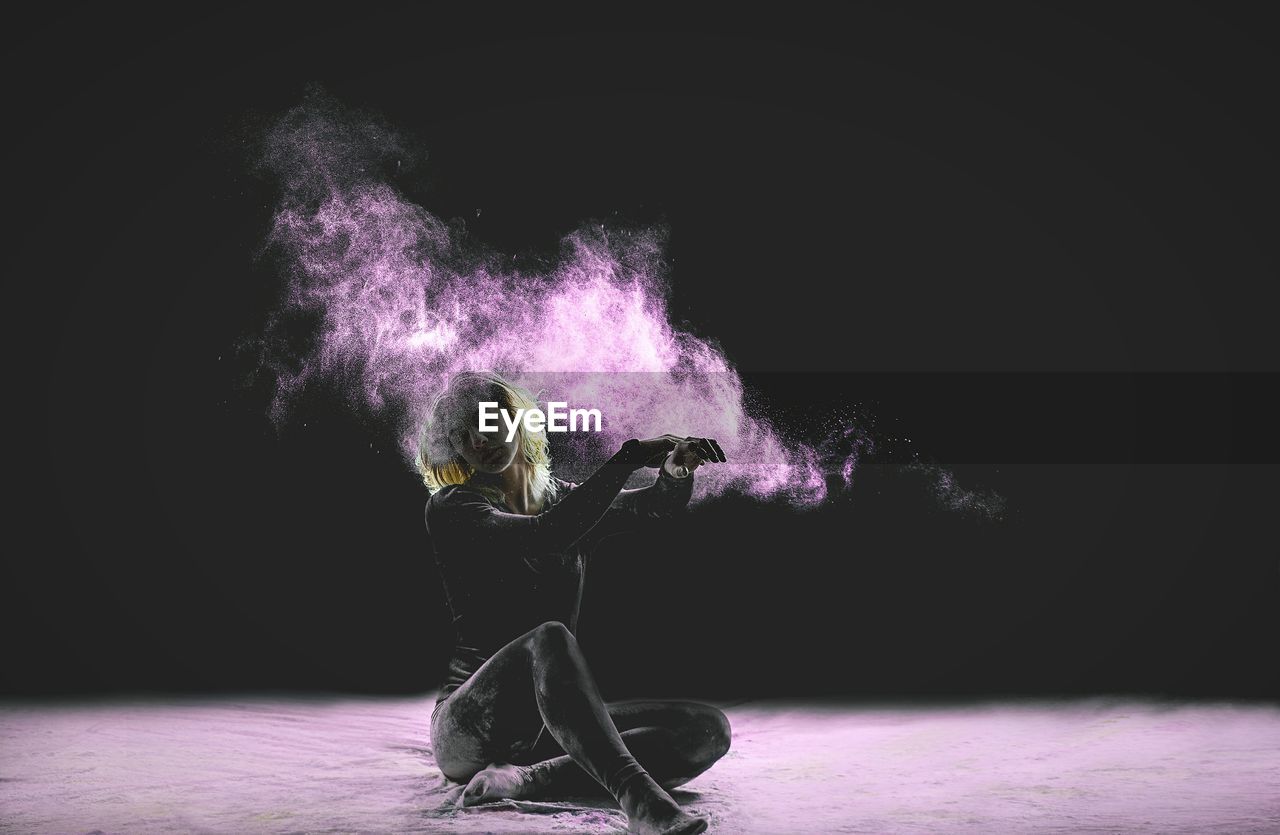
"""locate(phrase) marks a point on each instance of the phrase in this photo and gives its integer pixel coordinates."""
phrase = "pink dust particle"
(402, 304)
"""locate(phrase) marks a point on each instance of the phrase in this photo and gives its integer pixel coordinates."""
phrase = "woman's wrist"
(674, 470)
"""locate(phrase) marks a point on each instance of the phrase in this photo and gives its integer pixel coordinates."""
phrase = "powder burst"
(402, 303)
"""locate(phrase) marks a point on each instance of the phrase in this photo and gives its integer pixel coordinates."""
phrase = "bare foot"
(496, 782)
(657, 814)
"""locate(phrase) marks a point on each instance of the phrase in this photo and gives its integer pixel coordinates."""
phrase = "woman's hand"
(691, 452)
(653, 451)
(686, 452)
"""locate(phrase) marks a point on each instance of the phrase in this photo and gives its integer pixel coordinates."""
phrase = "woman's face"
(486, 452)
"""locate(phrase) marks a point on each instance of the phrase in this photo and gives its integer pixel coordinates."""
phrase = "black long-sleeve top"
(505, 573)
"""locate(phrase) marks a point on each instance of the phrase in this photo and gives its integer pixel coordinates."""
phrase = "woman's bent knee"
(722, 734)
(713, 731)
(459, 772)
(457, 765)
(550, 635)
(458, 753)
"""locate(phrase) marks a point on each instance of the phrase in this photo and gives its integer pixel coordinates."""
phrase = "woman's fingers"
(707, 449)
(714, 453)
(658, 449)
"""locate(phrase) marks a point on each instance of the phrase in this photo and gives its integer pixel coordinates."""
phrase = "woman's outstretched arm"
(669, 493)
(632, 509)
(465, 515)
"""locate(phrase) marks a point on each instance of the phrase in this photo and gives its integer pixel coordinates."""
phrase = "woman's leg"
(675, 741)
(541, 679)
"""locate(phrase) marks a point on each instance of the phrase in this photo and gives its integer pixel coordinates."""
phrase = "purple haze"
(401, 304)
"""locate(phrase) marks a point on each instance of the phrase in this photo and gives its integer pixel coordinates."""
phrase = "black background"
(1038, 241)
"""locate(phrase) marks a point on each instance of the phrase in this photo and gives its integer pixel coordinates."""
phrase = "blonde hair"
(438, 462)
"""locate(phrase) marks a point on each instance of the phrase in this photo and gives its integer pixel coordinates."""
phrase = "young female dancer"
(519, 714)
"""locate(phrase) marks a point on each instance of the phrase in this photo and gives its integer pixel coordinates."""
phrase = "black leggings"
(535, 703)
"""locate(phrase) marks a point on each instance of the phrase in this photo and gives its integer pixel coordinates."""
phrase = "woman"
(519, 714)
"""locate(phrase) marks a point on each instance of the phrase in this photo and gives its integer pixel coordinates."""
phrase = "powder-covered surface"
(262, 764)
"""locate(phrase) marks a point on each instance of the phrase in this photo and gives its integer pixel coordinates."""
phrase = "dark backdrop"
(1036, 240)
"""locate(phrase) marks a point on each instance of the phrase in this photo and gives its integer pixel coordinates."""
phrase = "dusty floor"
(262, 764)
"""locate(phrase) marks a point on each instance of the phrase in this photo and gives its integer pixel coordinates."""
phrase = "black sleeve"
(468, 518)
(632, 508)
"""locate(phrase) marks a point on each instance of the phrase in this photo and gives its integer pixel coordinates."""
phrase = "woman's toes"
(475, 790)
(687, 825)
(497, 782)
